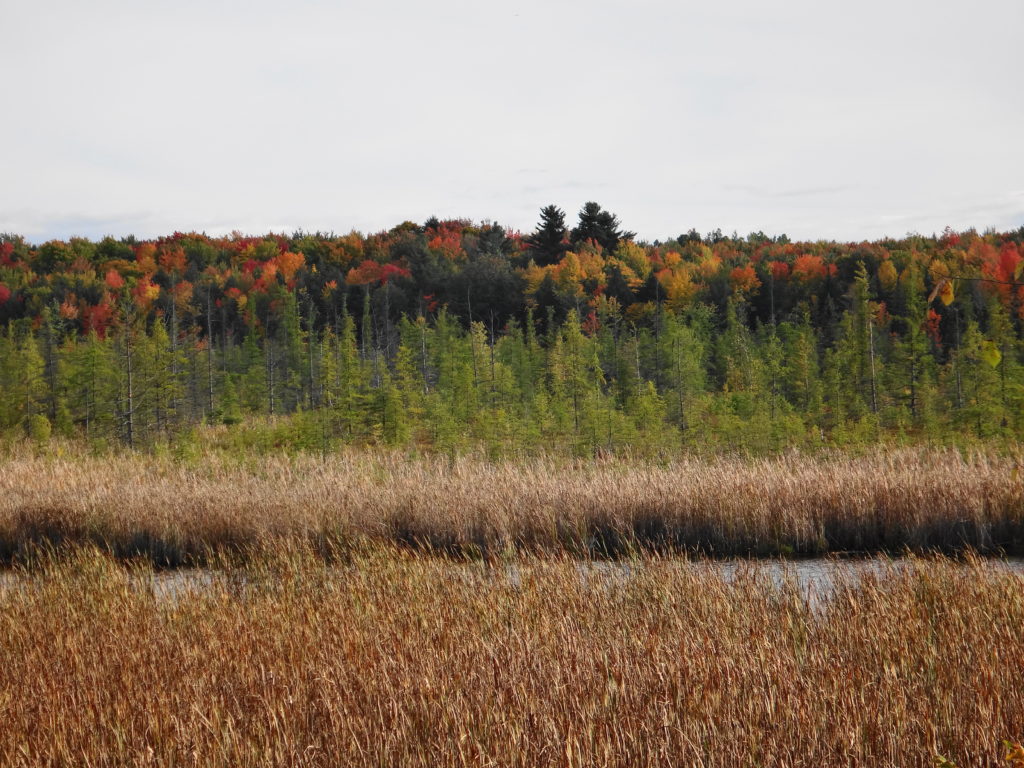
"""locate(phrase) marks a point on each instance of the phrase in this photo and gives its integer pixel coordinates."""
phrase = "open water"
(815, 578)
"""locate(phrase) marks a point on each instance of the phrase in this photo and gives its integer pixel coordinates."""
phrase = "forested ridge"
(453, 334)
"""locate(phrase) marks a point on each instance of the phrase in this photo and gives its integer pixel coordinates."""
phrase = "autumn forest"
(454, 335)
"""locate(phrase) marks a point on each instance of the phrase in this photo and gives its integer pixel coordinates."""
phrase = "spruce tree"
(548, 242)
(252, 379)
(598, 225)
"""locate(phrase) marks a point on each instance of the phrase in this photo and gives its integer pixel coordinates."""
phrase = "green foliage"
(39, 429)
(469, 337)
(230, 407)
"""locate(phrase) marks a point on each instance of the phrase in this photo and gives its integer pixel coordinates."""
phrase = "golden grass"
(403, 660)
(173, 514)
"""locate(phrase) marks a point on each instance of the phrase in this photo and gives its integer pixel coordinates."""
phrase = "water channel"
(815, 578)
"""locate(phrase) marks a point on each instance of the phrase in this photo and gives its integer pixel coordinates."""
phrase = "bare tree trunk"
(423, 357)
(209, 352)
(270, 373)
(679, 385)
(871, 348)
(131, 392)
(174, 347)
(956, 366)
(636, 350)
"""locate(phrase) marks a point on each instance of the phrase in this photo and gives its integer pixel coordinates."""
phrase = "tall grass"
(173, 513)
(398, 659)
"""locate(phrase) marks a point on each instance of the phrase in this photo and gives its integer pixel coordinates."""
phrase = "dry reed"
(398, 659)
(174, 514)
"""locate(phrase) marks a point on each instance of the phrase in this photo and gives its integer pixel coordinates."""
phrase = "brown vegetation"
(173, 513)
(398, 659)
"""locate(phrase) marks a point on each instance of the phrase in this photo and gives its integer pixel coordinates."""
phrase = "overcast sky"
(818, 118)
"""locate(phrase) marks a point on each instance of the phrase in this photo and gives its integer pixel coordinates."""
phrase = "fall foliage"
(719, 341)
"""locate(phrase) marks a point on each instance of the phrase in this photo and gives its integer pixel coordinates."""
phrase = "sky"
(821, 119)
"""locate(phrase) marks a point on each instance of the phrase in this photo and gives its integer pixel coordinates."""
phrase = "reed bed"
(174, 514)
(399, 659)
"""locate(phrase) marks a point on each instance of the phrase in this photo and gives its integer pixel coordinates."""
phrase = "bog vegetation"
(396, 660)
(452, 335)
(172, 513)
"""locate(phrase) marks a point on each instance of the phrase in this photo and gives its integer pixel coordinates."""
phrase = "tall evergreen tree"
(548, 243)
(600, 226)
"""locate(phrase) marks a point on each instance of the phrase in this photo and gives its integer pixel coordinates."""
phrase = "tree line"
(452, 334)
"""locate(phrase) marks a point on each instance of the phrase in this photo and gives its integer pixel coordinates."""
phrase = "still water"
(815, 578)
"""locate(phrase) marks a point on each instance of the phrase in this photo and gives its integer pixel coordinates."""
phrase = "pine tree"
(292, 345)
(799, 373)
(548, 243)
(408, 382)
(600, 226)
(1003, 339)
(580, 372)
(348, 391)
(31, 381)
(8, 374)
(863, 331)
(983, 409)
(230, 406)
(684, 353)
(51, 334)
(127, 382)
(771, 354)
(647, 410)
(252, 381)
(22, 379)
(392, 420)
(92, 385)
(911, 373)
(738, 365)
